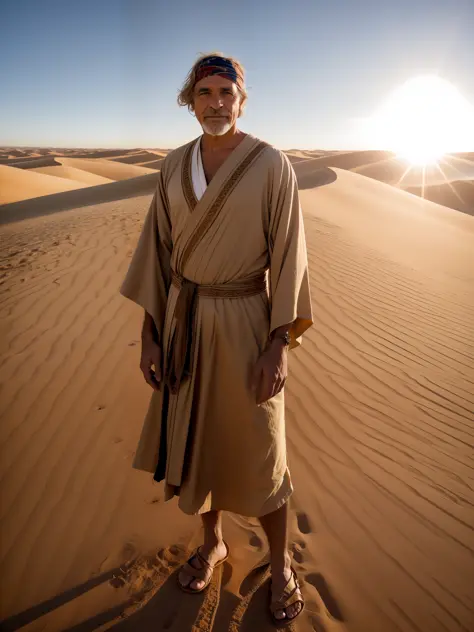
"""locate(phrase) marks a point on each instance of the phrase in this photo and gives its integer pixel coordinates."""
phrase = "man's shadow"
(168, 609)
(216, 609)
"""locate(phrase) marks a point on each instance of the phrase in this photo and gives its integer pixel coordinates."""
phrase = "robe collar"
(197, 171)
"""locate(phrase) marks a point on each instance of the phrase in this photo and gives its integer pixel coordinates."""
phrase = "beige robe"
(220, 450)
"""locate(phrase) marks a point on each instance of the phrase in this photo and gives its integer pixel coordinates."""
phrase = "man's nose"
(216, 102)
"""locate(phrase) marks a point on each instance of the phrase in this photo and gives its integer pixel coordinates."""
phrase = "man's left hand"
(270, 371)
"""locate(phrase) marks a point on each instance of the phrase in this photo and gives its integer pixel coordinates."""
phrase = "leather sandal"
(291, 595)
(204, 573)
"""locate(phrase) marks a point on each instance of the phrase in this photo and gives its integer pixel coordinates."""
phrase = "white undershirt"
(197, 171)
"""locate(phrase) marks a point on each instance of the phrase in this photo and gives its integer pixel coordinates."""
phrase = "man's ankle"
(280, 565)
(213, 541)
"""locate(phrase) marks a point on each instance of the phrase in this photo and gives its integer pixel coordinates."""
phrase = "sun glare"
(422, 120)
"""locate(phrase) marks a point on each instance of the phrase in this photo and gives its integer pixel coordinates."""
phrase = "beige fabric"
(247, 221)
(197, 171)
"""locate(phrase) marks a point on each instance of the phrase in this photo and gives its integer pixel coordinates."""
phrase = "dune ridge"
(73, 174)
(450, 184)
(17, 184)
(89, 195)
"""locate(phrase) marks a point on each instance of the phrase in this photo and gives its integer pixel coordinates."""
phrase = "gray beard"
(216, 130)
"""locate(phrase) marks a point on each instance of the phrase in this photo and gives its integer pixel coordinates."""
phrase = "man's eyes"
(204, 94)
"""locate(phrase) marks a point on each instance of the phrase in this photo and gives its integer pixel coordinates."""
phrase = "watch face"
(287, 338)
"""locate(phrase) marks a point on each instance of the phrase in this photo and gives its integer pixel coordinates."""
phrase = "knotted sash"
(182, 347)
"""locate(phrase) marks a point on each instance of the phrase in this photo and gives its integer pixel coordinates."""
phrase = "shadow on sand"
(316, 177)
(35, 612)
(164, 607)
(88, 196)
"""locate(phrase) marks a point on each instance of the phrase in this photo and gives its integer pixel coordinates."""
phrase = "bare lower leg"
(275, 525)
(213, 549)
(212, 523)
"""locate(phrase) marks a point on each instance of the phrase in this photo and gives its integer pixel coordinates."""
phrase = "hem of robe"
(271, 504)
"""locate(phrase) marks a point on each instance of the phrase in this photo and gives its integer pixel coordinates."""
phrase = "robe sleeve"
(290, 297)
(149, 275)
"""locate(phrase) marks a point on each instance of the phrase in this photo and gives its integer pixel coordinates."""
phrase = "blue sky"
(106, 73)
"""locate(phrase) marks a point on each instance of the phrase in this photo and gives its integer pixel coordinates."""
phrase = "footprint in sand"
(255, 541)
(303, 523)
(297, 551)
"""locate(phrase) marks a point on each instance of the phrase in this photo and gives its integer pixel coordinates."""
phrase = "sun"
(422, 120)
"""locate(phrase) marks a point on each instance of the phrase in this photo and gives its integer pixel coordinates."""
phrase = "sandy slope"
(88, 196)
(380, 432)
(398, 172)
(455, 194)
(71, 172)
(74, 174)
(30, 162)
(106, 168)
(343, 160)
(152, 164)
(141, 157)
(450, 183)
(19, 184)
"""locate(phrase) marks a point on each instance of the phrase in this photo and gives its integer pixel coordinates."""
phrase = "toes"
(293, 610)
(183, 579)
(197, 584)
(280, 614)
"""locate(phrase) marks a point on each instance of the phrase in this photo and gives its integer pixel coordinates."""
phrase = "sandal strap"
(197, 573)
(290, 595)
(202, 559)
(206, 567)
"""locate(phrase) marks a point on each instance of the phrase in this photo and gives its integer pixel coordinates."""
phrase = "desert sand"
(380, 412)
(451, 183)
(18, 184)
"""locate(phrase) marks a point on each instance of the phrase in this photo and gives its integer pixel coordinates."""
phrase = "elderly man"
(221, 272)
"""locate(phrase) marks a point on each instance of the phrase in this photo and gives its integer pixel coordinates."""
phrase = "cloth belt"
(181, 349)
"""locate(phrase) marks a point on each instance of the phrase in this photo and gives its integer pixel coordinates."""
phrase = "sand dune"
(306, 153)
(73, 174)
(444, 184)
(103, 153)
(342, 160)
(19, 184)
(105, 168)
(457, 195)
(379, 422)
(398, 172)
(17, 153)
(141, 157)
(294, 159)
(154, 164)
(29, 162)
(87, 196)
(82, 171)
(450, 183)
(298, 153)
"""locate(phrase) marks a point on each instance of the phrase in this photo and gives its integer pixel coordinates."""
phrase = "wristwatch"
(285, 337)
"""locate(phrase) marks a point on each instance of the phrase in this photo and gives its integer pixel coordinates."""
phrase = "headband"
(216, 66)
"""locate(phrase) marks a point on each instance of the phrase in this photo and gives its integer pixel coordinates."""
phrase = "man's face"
(216, 104)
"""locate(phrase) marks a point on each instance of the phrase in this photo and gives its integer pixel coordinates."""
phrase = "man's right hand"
(150, 363)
